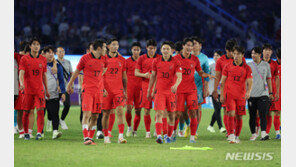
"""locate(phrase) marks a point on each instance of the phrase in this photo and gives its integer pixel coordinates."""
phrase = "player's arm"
(61, 82)
(71, 82)
(80, 80)
(54, 68)
(178, 81)
(143, 75)
(269, 84)
(151, 82)
(44, 78)
(124, 81)
(21, 79)
(249, 88)
(277, 84)
(223, 79)
(206, 83)
(104, 71)
(153, 91)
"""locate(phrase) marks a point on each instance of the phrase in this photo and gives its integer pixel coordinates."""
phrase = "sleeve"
(268, 76)
(154, 63)
(71, 69)
(276, 71)
(178, 67)
(225, 71)
(61, 78)
(81, 64)
(22, 65)
(206, 68)
(218, 66)
(249, 72)
(139, 63)
(197, 65)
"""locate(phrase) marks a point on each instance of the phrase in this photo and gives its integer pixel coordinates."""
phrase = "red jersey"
(113, 75)
(34, 69)
(236, 79)
(18, 57)
(165, 73)
(274, 69)
(92, 68)
(189, 66)
(144, 64)
(130, 72)
(280, 73)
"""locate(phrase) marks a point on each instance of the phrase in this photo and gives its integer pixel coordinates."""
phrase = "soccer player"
(202, 84)
(168, 72)
(275, 80)
(133, 90)
(115, 82)
(278, 56)
(217, 104)
(94, 65)
(187, 88)
(220, 64)
(67, 67)
(262, 88)
(54, 81)
(33, 80)
(143, 70)
(179, 47)
(237, 74)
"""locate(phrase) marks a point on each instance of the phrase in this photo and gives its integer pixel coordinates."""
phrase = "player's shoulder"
(158, 55)
(221, 59)
(143, 56)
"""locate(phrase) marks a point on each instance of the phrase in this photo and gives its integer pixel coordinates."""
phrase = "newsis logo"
(249, 156)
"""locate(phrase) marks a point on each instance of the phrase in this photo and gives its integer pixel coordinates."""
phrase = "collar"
(33, 57)
(168, 60)
(227, 57)
(112, 57)
(93, 56)
(152, 57)
(239, 65)
(132, 58)
(184, 57)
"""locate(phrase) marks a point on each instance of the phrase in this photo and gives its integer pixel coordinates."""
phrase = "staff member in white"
(262, 88)
(67, 67)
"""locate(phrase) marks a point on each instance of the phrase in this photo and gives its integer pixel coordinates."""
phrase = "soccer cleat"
(99, 135)
(174, 137)
(257, 130)
(187, 132)
(49, 126)
(56, 135)
(211, 129)
(167, 140)
(128, 133)
(22, 136)
(154, 134)
(63, 125)
(27, 137)
(107, 140)
(148, 135)
(192, 141)
(31, 136)
(196, 135)
(134, 133)
(42, 135)
(164, 137)
(93, 142)
(231, 139)
(222, 130)
(109, 134)
(237, 140)
(278, 136)
(38, 136)
(159, 140)
(253, 137)
(265, 138)
(121, 140)
(87, 141)
(15, 130)
(180, 133)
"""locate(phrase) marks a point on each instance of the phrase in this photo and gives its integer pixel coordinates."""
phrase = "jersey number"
(187, 71)
(114, 70)
(35, 72)
(97, 73)
(236, 78)
(165, 75)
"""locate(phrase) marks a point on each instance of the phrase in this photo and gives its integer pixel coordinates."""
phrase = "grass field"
(70, 151)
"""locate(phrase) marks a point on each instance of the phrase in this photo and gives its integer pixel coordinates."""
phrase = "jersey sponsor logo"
(40, 65)
(191, 65)
(119, 64)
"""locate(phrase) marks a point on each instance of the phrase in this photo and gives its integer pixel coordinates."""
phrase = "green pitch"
(138, 152)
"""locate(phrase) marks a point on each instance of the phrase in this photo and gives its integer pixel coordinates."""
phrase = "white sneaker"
(231, 139)
(134, 133)
(180, 133)
(56, 134)
(21, 136)
(15, 130)
(237, 140)
(49, 126)
(253, 137)
(63, 125)
(128, 133)
(31, 136)
(211, 129)
(148, 135)
(222, 130)
(154, 134)
(121, 140)
(107, 140)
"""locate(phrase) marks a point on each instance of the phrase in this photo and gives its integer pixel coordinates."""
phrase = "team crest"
(40, 65)
(171, 67)
(191, 65)
(119, 64)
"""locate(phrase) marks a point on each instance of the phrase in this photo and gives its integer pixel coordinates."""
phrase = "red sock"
(85, 132)
(158, 128)
(40, 121)
(276, 122)
(170, 131)
(92, 131)
(225, 120)
(235, 122)
(137, 120)
(111, 122)
(164, 126)
(121, 128)
(257, 121)
(231, 124)
(239, 125)
(176, 124)
(268, 124)
(128, 117)
(105, 131)
(26, 121)
(193, 126)
(147, 121)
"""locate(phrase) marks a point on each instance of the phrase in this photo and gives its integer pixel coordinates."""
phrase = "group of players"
(176, 81)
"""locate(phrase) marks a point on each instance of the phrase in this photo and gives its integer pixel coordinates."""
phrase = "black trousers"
(217, 113)
(67, 105)
(262, 105)
(53, 107)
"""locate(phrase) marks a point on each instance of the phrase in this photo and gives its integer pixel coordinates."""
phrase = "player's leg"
(218, 117)
(193, 124)
(147, 105)
(252, 104)
(187, 121)
(20, 123)
(111, 122)
(179, 109)
(100, 127)
(128, 118)
(277, 124)
(158, 125)
(40, 106)
(92, 126)
(120, 123)
(81, 113)
(257, 123)
(263, 108)
(105, 122)
(240, 111)
(269, 117)
(85, 125)
(165, 124)
(137, 104)
(67, 105)
(31, 122)
(213, 120)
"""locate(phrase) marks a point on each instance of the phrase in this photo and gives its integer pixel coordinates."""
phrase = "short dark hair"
(239, 49)
(136, 44)
(48, 48)
(219, 52)
(27, 48)
(257, 49)
(34, 39)
(151, 42)
(198, 39)
(111, 40)
(185, 40)
(166, 43)
(178, 46)
(230, 44)
(267, 46)
(23, 45)
(172, 45)
(89, 44)
(98, 43)
(278, 53)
